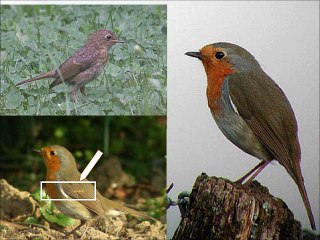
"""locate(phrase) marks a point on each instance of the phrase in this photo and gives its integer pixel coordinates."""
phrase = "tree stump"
(221, 209)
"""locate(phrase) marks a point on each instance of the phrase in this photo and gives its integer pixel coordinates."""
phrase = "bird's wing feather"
(76, 64)
(265, 108)
(85, 191)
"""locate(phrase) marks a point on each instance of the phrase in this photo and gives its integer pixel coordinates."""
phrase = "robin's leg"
(265, 163)
(74, 92)
(240, 181)
(84, 232)
(81, 224)
(83, 91)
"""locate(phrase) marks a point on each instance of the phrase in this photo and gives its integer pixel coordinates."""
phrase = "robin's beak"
(194, 54)
(118, 41)
(37, 151)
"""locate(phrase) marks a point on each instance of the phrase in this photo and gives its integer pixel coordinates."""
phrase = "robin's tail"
(303, 193)
(50, 74)
(115, 206)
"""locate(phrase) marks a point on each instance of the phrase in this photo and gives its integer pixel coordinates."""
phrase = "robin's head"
(225, 57)
(58, 159)
(104, 37)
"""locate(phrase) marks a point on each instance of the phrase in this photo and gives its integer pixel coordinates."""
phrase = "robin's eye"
(108, 37)
(219, 55)
(52, 153)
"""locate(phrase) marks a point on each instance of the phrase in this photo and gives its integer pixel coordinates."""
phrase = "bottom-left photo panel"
(83, 177)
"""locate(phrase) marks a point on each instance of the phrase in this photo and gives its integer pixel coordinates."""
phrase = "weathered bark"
(221, 209)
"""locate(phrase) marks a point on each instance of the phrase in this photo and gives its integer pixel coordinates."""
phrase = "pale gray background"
(283, 36)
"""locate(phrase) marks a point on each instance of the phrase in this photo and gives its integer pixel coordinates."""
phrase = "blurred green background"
(38, 38)
(139, 143)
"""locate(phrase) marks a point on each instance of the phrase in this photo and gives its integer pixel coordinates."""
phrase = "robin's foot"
(74, 230)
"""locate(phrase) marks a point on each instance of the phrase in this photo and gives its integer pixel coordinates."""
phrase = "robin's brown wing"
(77, 63)
(85, 191)
(267, 111)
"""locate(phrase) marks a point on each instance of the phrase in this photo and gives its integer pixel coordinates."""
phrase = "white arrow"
(91, 164)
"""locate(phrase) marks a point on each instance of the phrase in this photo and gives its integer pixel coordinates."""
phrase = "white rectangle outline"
(69, 199)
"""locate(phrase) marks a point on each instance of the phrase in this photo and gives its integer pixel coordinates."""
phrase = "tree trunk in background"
(220, 209)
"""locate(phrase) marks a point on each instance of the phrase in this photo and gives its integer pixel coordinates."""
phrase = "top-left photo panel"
(83, 60)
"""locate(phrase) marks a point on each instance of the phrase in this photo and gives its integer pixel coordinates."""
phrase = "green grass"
(36, 39)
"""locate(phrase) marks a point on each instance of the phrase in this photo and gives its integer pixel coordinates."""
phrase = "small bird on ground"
(85, 65)
(61, 166)
(252, 111)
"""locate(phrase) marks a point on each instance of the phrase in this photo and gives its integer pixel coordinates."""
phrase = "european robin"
(252, 111)
(85, 65)
(61, 166)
